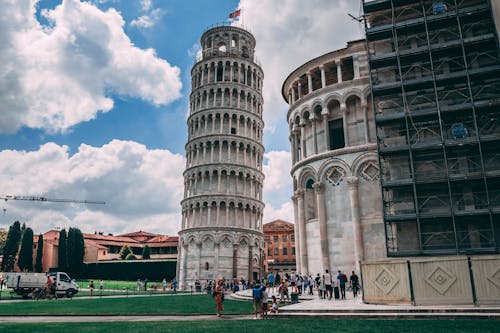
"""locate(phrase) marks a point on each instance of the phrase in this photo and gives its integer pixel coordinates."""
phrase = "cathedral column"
(296, 232)
(323, 76)
(302, 232)
(319, 188)
(299, 86)
(364, 108)
(359, 253)
(217, 216)
(339, 70)
(303, 139)
(216, 259)
(315, 133)
(183, 271)
(343, 110)
(309, 82)
(250, 266)
(293, 94)
(324, 114)
(209, 208)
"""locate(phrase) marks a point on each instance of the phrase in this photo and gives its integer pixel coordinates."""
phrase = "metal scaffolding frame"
(435, 76)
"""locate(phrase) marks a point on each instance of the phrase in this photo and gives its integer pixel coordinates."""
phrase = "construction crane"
(44, 199)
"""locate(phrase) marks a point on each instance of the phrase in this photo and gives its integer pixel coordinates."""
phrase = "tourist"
(354, 279)
(341, 279)
(264, 299)
(174, 285)
(328, 284)
(164, 284)
(311, 284)
(145, 284)
(139, 284)
(91, 287)
(101, 285)
(274, 306)
(298, 284)
(277, 279)
(270, 278)
(283, 290)
(322, 287)
(219, 298)
(257, 296)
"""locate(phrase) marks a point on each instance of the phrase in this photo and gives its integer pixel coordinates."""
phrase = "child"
(274, 306)
(264, 298)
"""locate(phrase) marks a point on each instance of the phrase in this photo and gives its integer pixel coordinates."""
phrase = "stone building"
(279, 246)
(221, 234)
(335, 169)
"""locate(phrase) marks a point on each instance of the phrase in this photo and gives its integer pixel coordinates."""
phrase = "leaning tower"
(221, 234)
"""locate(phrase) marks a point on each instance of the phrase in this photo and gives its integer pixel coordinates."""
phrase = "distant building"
(100, 247)
(279, 246)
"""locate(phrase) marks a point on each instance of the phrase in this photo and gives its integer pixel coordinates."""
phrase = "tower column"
(319, 188)
(302, 232)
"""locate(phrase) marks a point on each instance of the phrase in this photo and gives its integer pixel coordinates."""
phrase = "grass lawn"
(195, 304)
(274, 325)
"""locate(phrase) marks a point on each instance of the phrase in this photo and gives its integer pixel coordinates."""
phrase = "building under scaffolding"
(435, 72)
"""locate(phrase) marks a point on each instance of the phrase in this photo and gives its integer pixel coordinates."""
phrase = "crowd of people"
(288, 287)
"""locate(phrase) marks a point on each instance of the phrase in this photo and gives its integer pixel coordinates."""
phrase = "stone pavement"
(352, 307)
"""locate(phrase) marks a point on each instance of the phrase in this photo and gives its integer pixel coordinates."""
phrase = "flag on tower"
(235, 14)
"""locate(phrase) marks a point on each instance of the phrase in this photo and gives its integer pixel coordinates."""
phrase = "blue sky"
(94, 98)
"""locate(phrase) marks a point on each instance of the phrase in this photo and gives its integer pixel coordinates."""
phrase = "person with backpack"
(342, 279)
(354, 284)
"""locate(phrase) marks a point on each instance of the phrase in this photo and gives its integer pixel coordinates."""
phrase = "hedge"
(153, 270)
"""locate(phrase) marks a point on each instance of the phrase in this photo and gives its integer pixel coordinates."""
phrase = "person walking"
(264, 300)
(270, 279)
(354, 279)
(219, 298)
(322, 288)
(311, 284)
(341, 279)
(328, 284)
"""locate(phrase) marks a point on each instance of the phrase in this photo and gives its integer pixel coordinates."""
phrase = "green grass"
(298, 325)
(195, 304)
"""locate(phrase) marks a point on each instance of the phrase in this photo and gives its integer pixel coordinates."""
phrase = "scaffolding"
(435, 74)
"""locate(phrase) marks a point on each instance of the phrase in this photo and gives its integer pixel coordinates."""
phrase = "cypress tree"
(25, 261)
(124, 252)
(62, 252)
(146, 252)
(39, 255)
(11, 247)
(76, 251)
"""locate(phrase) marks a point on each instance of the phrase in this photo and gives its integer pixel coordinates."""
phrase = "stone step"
(390, 315)
(417, 310)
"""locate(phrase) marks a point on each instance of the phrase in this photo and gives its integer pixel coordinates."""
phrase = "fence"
(433, 281)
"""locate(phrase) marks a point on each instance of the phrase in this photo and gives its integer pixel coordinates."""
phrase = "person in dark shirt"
(354, 279)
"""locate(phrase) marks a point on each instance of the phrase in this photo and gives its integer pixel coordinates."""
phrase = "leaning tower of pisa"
(221, 234)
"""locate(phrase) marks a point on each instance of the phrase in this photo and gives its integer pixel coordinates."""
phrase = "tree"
(11, 247)
(146, 253)
(76, 251)
(130, 256)
(124, 252)
(25, 260)
(3, 239)
(62, 252)
(39, 255)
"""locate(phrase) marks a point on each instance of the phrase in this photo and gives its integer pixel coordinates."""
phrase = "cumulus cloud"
(151, 15)
(57, 75)
(277, 186)
(142, 188)
(290, 33)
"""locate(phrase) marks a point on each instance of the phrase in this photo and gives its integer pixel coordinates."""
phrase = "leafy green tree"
(62, 251)
(39, 254)
(11, 247)
(131, 256)
(76, 251)
(146, 252)
(3, 239)
(124, 252)
(25, 260)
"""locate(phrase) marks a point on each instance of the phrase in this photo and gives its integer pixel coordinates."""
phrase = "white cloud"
(148, 20)
(55, 76)
(142, 188)
(277, 186)
(146, 4)
(290, 33)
